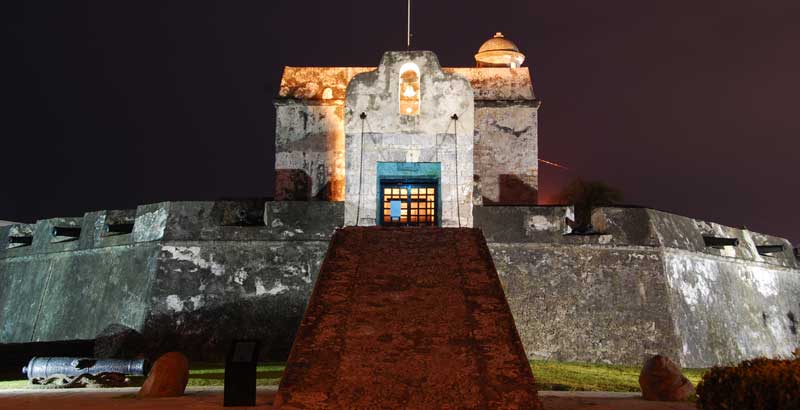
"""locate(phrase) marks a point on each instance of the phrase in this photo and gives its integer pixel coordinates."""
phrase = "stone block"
(9, 249)
(661, 380)
(107, 286)
(498, 83)
(587, 303)
(151, 222)
(522, 224)
(311, 220)
(168, 377)
(45, 241)
(627, 226)
(21, 297)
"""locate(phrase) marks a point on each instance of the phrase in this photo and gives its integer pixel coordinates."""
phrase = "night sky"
(686, 106)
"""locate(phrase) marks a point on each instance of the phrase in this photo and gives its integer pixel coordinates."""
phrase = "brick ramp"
(407, 318)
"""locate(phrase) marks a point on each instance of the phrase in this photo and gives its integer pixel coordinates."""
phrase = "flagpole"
(408, 27)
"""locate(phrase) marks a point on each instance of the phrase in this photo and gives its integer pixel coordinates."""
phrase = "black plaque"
(240, 373)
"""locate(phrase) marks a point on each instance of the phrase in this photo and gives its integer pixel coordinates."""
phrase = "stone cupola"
(499, 51)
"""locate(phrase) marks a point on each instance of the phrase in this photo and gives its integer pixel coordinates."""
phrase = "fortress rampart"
(190, 276)
(193, 276)
(647, 283)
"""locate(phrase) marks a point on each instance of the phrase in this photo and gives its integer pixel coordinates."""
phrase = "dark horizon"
(685, 107)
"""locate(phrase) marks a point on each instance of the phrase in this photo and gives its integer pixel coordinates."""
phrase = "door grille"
(408, 204)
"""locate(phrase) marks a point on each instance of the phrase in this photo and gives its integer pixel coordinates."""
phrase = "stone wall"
(384, 135)
(194, 275)
(191, 276)
(309, 145)
(646, 284)
(729, 303)
(309, 133)
(506, 155)
(309, 159)
(506, 135)
(60, 289)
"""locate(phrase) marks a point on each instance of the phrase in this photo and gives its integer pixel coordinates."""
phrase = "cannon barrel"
(69, 231)
(120, 228)
(767, 249)
(25, 240)
(248, 217)
(45, 367)
(718, 242)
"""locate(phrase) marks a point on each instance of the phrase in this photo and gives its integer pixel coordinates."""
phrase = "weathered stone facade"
(506, 152)
(498, 138)
(309, 133)
(189, 276)
(385, 135)
(645, 285)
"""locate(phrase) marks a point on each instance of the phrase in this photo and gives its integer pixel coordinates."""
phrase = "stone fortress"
(407, 143)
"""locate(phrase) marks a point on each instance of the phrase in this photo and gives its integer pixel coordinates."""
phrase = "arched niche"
(409, 89)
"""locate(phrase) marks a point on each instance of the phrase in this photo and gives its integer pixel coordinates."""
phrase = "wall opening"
(409, 194)
(409, 89)
(408, 202)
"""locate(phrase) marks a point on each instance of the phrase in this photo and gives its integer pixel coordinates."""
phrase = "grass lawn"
(213, 374)
(594, 377)
(13, 384)
(549, 376)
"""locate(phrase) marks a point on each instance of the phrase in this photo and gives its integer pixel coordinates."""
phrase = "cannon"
(41, 369)
(118, 228)
(68, 231)
(20, 240)
(717, 242)
(248, 217)
(768, 249)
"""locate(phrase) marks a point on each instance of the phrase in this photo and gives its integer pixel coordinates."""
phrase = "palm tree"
(586, 195)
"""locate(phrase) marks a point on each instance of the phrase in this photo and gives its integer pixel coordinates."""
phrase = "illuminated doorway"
(412, 190)
(409, 203)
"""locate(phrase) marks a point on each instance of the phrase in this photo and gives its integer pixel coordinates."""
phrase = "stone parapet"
(303, 220)
(191, 276)
(328, 85)
(188, 276)
(645, 283)
(650, 227)
(519, 224)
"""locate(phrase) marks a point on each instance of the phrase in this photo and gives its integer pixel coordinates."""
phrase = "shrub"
(758, 384)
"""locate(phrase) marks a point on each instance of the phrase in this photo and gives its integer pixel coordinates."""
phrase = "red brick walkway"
(210, 398)
(405, 318)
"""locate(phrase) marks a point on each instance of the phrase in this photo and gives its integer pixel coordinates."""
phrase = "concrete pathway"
(211, 398)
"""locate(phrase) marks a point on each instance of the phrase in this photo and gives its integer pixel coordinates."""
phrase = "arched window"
(409, 89)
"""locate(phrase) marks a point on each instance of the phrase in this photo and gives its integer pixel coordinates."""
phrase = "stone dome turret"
(499, 51)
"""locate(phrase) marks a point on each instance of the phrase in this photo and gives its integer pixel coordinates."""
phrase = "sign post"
(240, 373)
